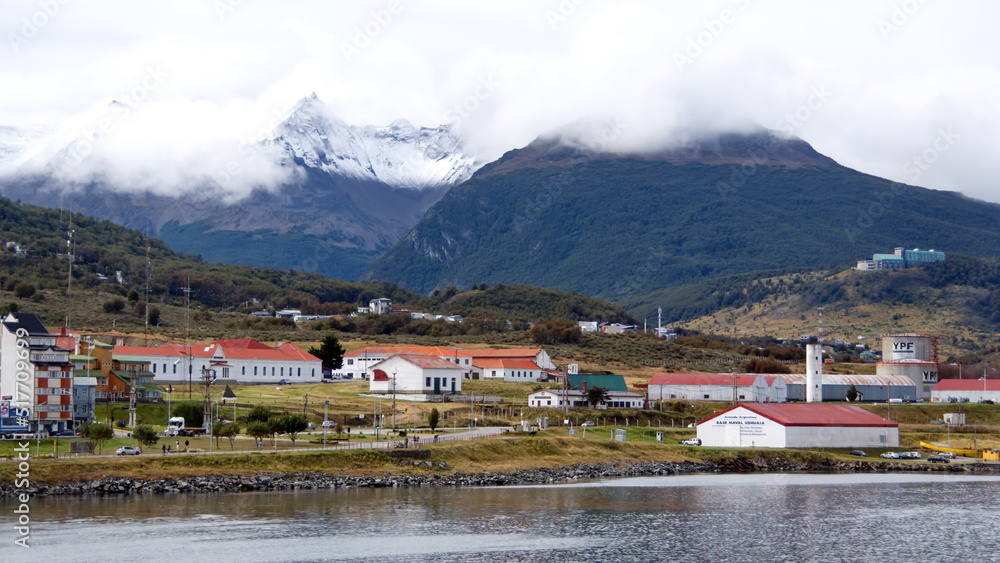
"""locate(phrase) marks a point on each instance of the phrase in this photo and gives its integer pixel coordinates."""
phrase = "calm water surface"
(784, 517)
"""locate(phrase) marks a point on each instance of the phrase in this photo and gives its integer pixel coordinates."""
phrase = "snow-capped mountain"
(315, 194)
(399, 155)
(15, 142)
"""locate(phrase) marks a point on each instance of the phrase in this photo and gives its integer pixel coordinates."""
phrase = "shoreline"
(439, 474)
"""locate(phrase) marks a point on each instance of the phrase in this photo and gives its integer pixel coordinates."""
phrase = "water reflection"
(681, 518)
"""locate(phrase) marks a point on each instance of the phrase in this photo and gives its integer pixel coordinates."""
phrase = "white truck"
(176, 427)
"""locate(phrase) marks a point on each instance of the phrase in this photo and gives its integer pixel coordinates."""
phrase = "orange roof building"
(243, 361)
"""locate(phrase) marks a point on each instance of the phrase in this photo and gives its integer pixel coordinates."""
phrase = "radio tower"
(819, 336)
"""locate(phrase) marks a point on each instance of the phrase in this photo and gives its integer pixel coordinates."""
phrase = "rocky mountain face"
(354, 192)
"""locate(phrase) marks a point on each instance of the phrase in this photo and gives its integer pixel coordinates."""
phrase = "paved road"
(384, 444)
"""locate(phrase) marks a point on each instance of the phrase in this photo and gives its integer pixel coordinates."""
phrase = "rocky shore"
(438, 474)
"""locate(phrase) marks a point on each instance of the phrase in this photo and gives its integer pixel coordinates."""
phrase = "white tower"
(814, 373)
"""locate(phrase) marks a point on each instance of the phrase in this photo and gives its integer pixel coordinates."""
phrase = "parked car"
(890, 455)
(937, 459)
(859, 453)
(329, 424)
(692, 442)
(284, 382)
(128, 450)
(949, 455)
(63, 434)
(588, 423)
(910, 455)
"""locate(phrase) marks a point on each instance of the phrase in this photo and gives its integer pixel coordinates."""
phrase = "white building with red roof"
(507, 369)
(244, 361)
(416, 374)
(966, 391)
(358, 363)
(750, 387)
(797, 425)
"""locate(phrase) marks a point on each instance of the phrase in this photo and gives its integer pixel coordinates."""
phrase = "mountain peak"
(400, 154)
(574, 144)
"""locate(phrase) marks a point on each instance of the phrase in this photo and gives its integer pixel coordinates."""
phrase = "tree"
(97, 433)
(259, 413)
(145, 435)
(114, 305)
(852, 393)
(291, 424)
(259, 430)
(191, 412)
(154, 316)
(24, 290)
(330, 352)
(433, 418)
(555, 332)
(597, 395)
(228, 430)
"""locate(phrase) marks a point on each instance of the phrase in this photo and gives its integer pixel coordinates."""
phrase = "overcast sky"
(873, 84)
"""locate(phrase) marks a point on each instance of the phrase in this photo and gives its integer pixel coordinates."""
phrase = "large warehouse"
(752, 387)
(797, 425)
(870, 388)
(966, 391)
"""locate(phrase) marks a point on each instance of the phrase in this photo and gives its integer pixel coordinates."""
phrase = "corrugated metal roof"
(851, 379)
(812, 414)
(503, 353)
(742, 379)
(605, 381)
(967, 385)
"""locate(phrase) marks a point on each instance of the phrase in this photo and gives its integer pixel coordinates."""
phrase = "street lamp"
(326, 408)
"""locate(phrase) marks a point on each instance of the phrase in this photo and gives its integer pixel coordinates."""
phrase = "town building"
(35, 373)
(577, 398)
(244, 361)
(797, 425)
(966, 391)
(870, 388)
(750, 387)
(901, 258)
(507, 369)
(380, 306)
(357, 363)
(416, 374)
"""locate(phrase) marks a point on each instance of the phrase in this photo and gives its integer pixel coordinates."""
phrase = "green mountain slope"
(101, 248)
(618, 227)
(958, 299)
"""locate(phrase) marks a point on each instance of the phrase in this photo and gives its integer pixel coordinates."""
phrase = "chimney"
(583, 387)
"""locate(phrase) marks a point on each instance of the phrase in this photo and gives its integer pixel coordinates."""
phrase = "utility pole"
(131, 395)
(69, 275)
(146, 333)
(207, 376)
(394, 398)
(187, 328)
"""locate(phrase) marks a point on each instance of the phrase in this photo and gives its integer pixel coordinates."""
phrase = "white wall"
(741, 428)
